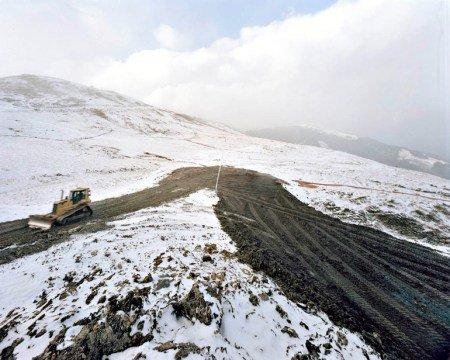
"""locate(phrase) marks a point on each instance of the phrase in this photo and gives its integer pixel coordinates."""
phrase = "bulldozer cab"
(77, 195)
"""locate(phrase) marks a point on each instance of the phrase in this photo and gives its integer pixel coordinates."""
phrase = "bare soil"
(395, 293)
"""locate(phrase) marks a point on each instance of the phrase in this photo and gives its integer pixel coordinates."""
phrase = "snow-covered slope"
(118, 145)
(35, 92)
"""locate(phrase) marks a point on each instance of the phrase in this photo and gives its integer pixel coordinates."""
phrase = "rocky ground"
(162, 282)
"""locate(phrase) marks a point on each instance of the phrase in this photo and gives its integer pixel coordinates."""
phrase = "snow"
(322, 130)
(176, 233)
(323, 144)
(425, 162)
(35, 92)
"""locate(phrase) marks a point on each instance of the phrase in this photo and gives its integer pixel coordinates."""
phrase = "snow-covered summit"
(37, 92)
(50, 102)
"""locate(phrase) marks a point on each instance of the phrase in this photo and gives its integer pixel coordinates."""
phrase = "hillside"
(117, 146)
(364, 147)
(165, 265)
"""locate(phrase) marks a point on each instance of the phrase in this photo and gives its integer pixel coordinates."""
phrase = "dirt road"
(17, 240)
(393, 292)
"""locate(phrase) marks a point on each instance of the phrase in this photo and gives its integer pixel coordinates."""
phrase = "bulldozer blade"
(38, 222)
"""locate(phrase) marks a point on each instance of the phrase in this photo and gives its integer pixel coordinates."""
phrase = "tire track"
(392, 291)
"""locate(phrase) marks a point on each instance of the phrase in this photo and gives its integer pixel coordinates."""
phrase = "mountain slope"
(36, 92)
(364, 147)
(120, 145)
(59, 135)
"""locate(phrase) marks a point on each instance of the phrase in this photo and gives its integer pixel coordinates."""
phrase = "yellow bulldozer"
(68, 209)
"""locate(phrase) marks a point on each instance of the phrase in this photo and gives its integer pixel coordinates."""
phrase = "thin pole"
(220, 167)
(217, 180)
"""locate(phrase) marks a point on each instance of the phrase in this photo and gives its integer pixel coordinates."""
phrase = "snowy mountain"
(364, 147)
(36, 92)
(118, 145)
(169, 276)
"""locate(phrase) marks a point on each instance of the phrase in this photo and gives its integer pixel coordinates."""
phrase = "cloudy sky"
(375, 68)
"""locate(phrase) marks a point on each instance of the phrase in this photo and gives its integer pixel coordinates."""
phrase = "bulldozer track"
(362, 278)
(395, 293)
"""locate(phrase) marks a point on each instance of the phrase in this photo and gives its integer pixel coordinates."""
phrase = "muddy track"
(393, 292)
(17, 240)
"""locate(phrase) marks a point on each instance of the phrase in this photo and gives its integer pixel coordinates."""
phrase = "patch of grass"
(99, 113)
(426, 217)
(401, 224)
(442, 209)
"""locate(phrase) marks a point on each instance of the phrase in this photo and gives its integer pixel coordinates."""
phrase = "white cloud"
(59, 39)
(370, 67)
(168, 37)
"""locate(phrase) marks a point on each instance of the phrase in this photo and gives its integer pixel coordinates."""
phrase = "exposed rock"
(8, 352)
(215, 290)
(91, 296)
(211, 248)
(98, 339)
(280, 311)
(147, 279)
(193, 275)
(341, 339)
(253, 300)
(194, 306)
(301, 357)
(162, 284)
(158, 260)
(226, 254)
(40, 333)
(291, 332)
(304, 325)
(169, 345)
(184, 349)
(140, 356)
(313, 350)
(3, 333)
(132, 301)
